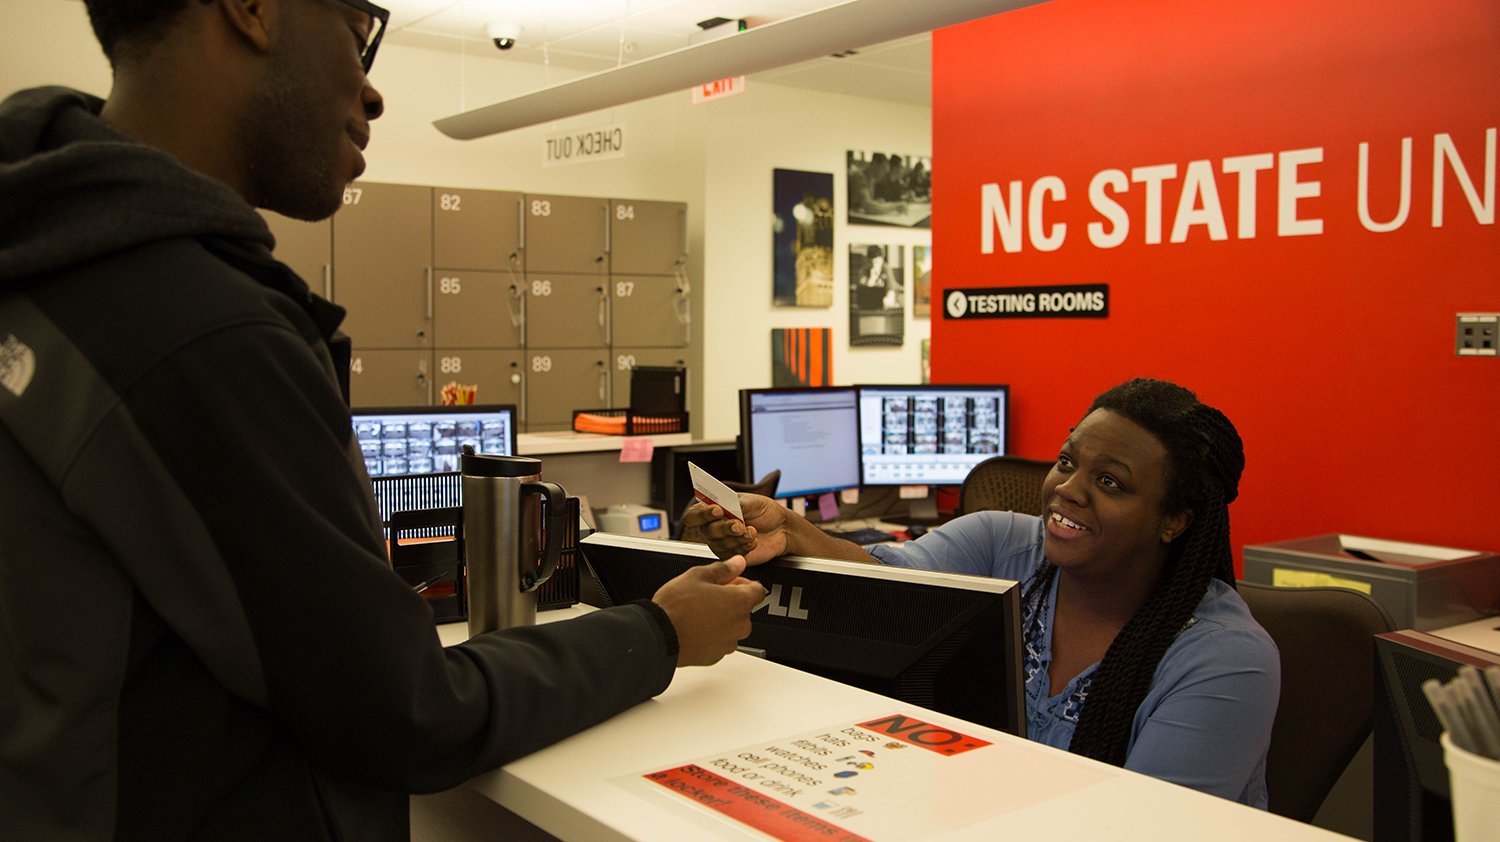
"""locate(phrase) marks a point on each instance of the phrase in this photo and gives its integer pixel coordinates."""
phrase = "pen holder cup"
(1474, 784)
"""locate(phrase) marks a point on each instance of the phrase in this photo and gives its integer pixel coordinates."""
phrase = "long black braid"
(1205, 458)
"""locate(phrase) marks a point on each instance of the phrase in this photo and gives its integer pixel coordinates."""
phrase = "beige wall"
(716, 157)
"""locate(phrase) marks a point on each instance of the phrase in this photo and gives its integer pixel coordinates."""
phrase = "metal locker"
(476, 229)
(567, 311)
(560, 380)
(567, 234)
(307, 247)
(495, 375)
(477, 309)
(382, 250)
(649, 310)
(624, 359)
(647, 238)
(390, 378)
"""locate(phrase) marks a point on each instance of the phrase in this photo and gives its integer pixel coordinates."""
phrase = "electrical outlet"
(1478, 335)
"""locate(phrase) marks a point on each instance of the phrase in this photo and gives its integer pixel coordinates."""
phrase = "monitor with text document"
(945, 641)
(811, 435)
(929, 434)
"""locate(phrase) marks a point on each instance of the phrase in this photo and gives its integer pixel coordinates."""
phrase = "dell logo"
(775, 606)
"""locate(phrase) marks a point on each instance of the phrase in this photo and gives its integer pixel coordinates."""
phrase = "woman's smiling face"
(1104, 500)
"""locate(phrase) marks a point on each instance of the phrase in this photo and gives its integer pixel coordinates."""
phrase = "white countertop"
(1480, 634)
(588, 787)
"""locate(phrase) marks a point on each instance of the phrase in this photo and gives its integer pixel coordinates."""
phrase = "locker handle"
(516, 308)
(604, 312)
(683, 304)
(521, 222)
(429, 293)
(606, 229)
(517, 377)
(683, 214)
(328, 281)
(603, 383)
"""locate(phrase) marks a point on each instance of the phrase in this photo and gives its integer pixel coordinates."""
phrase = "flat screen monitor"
(944, 641)
(811, 435)
(400, 441)
(929, 434)
(411, 452)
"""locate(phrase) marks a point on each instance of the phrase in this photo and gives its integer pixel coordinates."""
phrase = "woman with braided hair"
(1138, 650)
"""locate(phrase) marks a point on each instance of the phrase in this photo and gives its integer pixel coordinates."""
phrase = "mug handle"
(554, 527)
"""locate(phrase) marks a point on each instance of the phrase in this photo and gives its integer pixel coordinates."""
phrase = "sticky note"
(637, 450)
(1281, 577)
(828, 506)
(799, 505)
(913, 492)
(849, 496)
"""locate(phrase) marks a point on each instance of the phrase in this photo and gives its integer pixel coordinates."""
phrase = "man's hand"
(763, 536)
(710, 607)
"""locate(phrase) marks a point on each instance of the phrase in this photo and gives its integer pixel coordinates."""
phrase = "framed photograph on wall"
(921, 281)
(802, 238)
(801, 356)
(889, 189)
(877, 295)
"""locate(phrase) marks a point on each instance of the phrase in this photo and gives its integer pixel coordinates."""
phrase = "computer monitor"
(1411, 779)
(412, 452)
(810, 434)
(929, 434)
(944, 641)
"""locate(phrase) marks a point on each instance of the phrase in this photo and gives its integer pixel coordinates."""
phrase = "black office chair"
(1004, 483)
(1327, 642)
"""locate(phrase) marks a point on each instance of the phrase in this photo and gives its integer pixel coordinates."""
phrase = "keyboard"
(864, 536)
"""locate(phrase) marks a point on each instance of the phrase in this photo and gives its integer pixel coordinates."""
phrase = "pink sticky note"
(636, 450)
(828, 506)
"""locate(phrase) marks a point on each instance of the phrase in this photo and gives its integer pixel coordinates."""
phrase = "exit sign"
(718, 89)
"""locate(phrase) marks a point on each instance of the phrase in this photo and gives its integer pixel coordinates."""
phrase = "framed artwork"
(921, 281)
(877, 295)
(802, 238)
(801, 356)
(887, 189)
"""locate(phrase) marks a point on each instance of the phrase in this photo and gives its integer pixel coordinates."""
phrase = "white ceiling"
(593, 35)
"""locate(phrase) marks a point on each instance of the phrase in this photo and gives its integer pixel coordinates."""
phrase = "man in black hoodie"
(200, 635)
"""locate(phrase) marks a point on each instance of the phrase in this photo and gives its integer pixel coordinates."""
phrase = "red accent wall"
(1332, 352)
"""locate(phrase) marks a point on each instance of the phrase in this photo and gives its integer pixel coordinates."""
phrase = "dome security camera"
(503, 33)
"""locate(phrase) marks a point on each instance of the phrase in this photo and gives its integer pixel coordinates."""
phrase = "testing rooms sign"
(576, 147)
(1056, 302)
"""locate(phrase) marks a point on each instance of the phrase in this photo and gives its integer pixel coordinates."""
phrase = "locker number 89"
(540, 364)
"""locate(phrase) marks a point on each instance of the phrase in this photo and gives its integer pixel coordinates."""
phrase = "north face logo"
(17, 365)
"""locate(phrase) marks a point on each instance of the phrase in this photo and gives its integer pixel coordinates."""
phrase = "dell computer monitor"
(412, 452)
(944, 641)
(811, 435)
(929, 434)
(397, 441)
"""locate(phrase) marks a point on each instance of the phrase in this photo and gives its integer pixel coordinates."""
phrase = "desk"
(569, 789)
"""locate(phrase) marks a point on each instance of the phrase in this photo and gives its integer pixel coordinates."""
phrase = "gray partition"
(623, 359)
(382, 248)
(306, 247)
(567, 311)
(390, 378)
(560, 380)
(476, 229)
(649, 310)
(568, 234)
(647, 238)
(474, 309)
(496, 375)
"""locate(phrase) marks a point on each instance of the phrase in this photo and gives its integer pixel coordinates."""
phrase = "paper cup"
(1474, 782)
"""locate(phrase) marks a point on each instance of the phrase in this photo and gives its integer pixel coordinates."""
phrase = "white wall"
(717, 157)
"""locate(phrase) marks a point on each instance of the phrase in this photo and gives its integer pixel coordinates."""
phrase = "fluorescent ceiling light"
(846, 26)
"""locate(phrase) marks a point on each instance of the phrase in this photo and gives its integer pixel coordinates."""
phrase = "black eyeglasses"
(378, 19)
